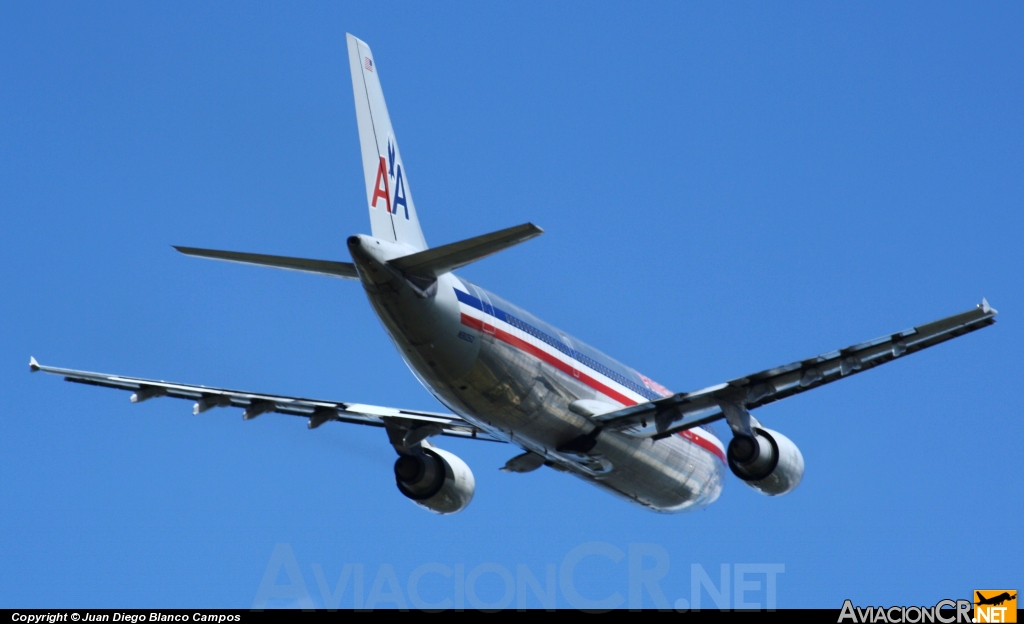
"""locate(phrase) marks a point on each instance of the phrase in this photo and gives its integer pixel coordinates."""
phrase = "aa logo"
(995, 605)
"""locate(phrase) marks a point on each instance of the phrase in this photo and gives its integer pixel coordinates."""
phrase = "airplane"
(994, 600)
(506, 376)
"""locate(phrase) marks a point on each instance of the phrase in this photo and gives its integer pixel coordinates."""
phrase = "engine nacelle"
(769, 462)
(435, 479)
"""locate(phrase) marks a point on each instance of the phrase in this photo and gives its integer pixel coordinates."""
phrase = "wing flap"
(690, 409)
(254, 403)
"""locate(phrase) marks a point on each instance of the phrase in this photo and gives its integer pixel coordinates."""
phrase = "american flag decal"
(369, 64)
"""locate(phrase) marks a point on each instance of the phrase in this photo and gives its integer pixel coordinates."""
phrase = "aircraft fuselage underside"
(503, 388)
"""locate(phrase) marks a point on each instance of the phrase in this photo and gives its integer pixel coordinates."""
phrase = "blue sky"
(724, 187)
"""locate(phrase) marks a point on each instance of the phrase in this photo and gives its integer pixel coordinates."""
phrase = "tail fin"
(392, 213)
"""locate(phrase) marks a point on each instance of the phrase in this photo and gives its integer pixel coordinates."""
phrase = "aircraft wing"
(690, 409)
(316, 411)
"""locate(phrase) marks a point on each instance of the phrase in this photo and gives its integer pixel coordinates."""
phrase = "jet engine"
(769, 462)
(435, 479)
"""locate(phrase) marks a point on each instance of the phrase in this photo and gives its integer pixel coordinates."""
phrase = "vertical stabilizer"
(392, 213)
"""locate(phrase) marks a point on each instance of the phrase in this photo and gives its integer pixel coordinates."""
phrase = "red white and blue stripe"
(530, 338)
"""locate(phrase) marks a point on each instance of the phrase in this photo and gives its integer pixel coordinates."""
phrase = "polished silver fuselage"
(483, 365)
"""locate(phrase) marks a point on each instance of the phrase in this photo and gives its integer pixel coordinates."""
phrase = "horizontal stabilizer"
(345, 270)
(439, 260)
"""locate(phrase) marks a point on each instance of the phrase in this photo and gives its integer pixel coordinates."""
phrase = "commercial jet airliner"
(507, 376)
